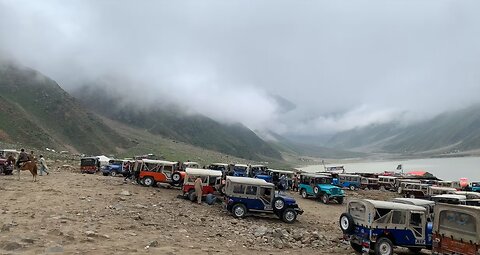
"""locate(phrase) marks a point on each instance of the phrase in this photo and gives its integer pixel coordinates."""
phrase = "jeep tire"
(192, 196)
(304, 194)
(148, 181)
(324, 198)
(352, 188)
(278, 204)
(339, 200)
(384, 247)
(415, 250)
(289, 215)
(356, 247)
(316, 191)
(239, 210)
(346, 223)
(113, 173)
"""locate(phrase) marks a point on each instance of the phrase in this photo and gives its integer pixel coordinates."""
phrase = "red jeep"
(211, 181)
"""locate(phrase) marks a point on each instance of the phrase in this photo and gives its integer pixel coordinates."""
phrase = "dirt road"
(71, 213)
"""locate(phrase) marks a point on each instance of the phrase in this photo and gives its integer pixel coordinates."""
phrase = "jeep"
(456, 229)
(379, 226)
(320, 186)
(244, 195)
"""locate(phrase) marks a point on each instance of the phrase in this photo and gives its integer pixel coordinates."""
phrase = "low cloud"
(343, 64)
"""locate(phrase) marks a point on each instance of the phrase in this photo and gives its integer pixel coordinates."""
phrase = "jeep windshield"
(88, 162)
(324, 180)
(240, 169)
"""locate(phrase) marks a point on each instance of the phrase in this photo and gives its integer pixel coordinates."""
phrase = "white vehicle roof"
(280, 171)
(241, 165)
(162, 162)
(413, 201)
(443, 188)
(459, 197)
(250, 181)
(392, 205)
(350, 175)
(190, 163)
(258, 165)
(387, 177)
(203, 172)
(316, 175)
(468, 193)
(219, 164)
(10, 150)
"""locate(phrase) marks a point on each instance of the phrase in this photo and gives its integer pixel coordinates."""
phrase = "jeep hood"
(287, 199)
(327, 186)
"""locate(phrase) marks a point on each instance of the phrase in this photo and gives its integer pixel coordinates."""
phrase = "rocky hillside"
(36, 111)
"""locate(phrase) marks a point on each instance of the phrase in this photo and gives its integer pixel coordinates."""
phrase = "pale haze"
(343, 64)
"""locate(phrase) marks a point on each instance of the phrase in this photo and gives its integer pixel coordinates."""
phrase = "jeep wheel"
(316, 190)
(356, 247)
(325, 198)
(113, 173)
(289, 215)
(346, 223)
(148, 181)
(239, 210)
(411, 196)
(192, 196)
(340, 200)
(278, 204)
(304, 193)
(384, 246)
(176, 177)
(415, 250)
(352, 188)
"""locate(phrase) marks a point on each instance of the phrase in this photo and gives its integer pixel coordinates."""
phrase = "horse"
(30, 166)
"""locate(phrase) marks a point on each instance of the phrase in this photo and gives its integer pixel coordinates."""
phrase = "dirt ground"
(72, 213)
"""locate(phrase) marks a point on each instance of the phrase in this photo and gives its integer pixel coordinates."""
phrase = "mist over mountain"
(454, 131)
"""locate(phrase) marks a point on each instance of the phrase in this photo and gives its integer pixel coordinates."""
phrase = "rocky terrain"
(70, 213)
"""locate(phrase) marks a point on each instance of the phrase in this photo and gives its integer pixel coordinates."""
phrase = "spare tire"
(176, 177)
(346, 223)
(278, 204)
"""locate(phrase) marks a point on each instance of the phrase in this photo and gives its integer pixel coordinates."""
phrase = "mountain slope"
(35, 111)
(169, 122)
(451, 131)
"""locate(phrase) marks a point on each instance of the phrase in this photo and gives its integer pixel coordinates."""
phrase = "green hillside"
(37, 112)
(198, 130)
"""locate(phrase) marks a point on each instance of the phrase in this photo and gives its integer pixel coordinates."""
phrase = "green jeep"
(320, 186)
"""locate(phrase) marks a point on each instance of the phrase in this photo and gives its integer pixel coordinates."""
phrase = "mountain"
(36, 111)
(173, 123)
(299, 148)
(448, 132)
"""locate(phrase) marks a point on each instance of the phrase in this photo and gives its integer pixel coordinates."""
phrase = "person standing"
(198, 189)
(43, 166)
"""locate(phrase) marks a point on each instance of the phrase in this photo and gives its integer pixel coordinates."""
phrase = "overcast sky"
(342, 63)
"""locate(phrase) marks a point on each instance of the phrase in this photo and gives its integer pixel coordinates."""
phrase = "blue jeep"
(380, 226)
(245, 195)
(240, 170)
(350, 181)
(476, 186)
(319, 186)
(115, 167)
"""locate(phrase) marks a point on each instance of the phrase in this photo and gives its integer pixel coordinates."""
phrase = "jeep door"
(266, 195)
(417, 223)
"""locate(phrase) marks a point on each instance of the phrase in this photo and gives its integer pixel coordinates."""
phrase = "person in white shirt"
(43, 166)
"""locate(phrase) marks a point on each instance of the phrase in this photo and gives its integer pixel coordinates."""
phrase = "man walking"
(43, 166)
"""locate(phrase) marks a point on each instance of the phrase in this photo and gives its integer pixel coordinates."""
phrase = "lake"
(443, 168)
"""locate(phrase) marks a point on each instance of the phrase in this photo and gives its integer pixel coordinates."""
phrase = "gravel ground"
(70, 213)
